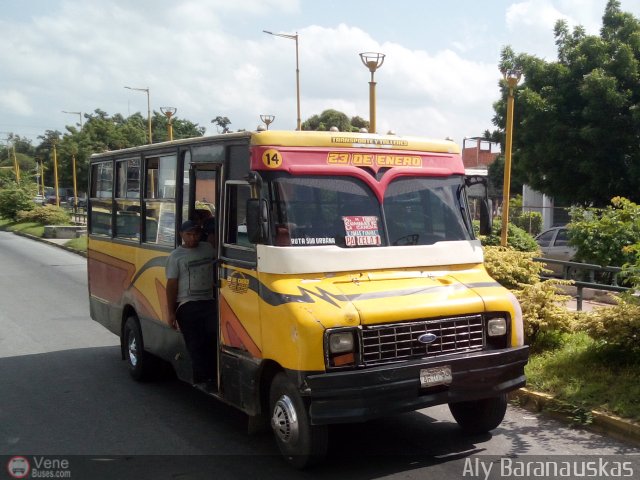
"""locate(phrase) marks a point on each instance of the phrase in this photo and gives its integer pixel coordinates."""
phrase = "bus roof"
(288, 138)
(350, 140)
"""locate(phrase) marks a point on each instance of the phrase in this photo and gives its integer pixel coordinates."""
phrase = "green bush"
(530, 222)
(511, 268)
(13, 199)
(516, 237)
(543, 308)
(617, 325)
(603, 235)
(45, 215)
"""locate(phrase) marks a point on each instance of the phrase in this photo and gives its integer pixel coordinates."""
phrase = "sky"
(210, 58)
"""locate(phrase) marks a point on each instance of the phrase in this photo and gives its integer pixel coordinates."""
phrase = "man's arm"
(172, 300)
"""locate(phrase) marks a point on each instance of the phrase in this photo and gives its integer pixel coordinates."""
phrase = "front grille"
(392, 343)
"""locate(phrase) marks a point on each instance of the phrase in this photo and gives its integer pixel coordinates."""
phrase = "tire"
(480, 416)
(138, 361)
(301, 443)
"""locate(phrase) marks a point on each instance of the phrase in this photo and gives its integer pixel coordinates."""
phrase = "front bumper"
(359, 395)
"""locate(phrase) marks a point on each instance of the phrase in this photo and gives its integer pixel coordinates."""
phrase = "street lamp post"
(372, 61)
(267, 119)
(55, 173)
(16, 164)
(146, 90)
(73, 163)
(293, 37)
(169, 112)
(75, 113)
(512, 77)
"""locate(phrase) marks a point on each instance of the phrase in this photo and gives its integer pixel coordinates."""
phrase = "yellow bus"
(350, 283)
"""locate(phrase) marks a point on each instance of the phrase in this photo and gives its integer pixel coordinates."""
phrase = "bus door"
(201, 204)
(240, 319)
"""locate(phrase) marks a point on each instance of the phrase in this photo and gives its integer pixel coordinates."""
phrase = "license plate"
(435, 376)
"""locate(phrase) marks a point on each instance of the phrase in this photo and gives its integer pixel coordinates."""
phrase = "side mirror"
(485, 217)
(257, 222)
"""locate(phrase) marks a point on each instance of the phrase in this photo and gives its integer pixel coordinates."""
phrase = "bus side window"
(159, 200)
(128, 199)
(236, 227)
(101, 194)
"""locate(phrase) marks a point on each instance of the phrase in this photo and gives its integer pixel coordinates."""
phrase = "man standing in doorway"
(191, 301)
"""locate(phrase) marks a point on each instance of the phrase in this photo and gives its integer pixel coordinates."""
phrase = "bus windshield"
(343, 211)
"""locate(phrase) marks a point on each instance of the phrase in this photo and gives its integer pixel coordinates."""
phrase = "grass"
(79, 243)
(37, 230)
(32, 228)
(589, 375)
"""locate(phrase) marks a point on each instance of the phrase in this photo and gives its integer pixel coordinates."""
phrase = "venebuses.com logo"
(38, 467)
(18, 467)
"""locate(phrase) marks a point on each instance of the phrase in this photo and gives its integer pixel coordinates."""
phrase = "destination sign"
(373, 160)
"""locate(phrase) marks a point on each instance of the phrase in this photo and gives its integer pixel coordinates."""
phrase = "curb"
(44, 240)
(594, 420)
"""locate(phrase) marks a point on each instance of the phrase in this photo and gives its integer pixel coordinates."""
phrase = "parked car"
(554, 244)
(63, 194)
(82, 202)
(39, 199)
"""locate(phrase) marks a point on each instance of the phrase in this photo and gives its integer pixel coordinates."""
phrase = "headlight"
(340, 342)
(496, 327)
(341, 347)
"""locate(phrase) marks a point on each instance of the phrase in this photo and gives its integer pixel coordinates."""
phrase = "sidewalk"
(587, 305)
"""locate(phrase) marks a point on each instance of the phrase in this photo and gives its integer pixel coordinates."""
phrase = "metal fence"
(586, 275)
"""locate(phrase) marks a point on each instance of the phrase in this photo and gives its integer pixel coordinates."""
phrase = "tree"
(23, 151)
(15, 198)
(223, 123)
(603, 235)
(100, 132)
(359, 122)
(181, 128)
(333, 118)
(577, 119)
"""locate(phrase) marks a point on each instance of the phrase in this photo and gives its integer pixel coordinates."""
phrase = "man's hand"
(173, 323)
(172, 294)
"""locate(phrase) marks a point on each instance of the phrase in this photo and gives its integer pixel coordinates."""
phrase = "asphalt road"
(66, 395)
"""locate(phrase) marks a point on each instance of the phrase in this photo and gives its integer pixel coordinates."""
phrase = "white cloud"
(14, 102)
(210, 57)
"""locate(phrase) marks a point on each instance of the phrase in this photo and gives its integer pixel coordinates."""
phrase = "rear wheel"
(480, 416)
(138, 361)
(301, 443)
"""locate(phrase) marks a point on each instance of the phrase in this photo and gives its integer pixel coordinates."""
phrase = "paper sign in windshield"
(361, 231)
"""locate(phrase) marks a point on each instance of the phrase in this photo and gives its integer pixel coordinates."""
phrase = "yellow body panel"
(289, 317)
(122, 273)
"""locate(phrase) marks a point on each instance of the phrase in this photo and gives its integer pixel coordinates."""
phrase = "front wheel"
(138, 361)
(480, 416)
(301, 443)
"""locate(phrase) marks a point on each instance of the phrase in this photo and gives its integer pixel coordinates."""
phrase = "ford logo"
(427, 338)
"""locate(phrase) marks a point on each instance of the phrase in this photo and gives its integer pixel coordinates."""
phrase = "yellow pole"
(75, 186)
(372, 105)
(372, 61)
(512, 82)
(42, 176)
(55, 173)
(170, 130)
(149, 114)
(299, 120)
(16, 165)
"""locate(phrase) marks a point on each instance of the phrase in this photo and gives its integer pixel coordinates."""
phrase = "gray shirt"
(193, 268)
